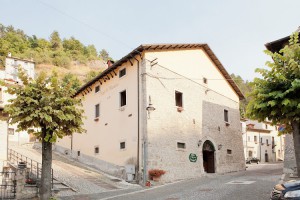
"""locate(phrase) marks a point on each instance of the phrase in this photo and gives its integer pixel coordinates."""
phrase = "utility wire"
(114, 39)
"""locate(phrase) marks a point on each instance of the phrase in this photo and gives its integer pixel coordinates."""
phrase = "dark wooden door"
(209, 161)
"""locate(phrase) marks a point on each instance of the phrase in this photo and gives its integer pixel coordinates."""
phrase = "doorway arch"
(208, 153)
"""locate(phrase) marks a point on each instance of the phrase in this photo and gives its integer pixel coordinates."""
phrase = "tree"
(245, 87)
(276, 96)
(104, 55)
(71, 79)
(45, 107)
(55, 41)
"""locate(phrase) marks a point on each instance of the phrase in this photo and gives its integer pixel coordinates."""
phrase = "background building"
(261, 141)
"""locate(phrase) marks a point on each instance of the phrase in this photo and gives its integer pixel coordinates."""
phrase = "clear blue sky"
(235, 30)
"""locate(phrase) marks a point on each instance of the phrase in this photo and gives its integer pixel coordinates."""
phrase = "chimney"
(110, 63)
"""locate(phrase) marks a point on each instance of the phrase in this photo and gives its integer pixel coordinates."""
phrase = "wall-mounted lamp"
(199, 143)
(150, 107)
(220, 146)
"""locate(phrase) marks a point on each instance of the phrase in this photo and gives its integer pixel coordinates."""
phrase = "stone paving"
(81, 178)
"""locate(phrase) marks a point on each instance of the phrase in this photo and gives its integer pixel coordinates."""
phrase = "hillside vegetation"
(67, 55)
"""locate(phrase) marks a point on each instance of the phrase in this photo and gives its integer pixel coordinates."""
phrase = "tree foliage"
(56, 51)
(276, 96)
(245, 87)
(45, 103)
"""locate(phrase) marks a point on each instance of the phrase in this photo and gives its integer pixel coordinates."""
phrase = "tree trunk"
(46, 179)
(296, 136)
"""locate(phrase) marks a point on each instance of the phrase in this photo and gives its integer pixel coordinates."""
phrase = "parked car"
(286, 191)
(252, 160)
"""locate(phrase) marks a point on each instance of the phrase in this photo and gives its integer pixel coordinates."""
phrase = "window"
(96, 150)
(267, 142)
(205, 80)
(255, 139)
(261, 140)
(97, 110)
(226, 115)
(229, 151)
(273, 142)
(266, 126)
(97, 88)
(180, 145)
(11, 131)
(123, 98)
(248, 138)
(178, 99)
(122, 72)
(78, 153)
(122, 145)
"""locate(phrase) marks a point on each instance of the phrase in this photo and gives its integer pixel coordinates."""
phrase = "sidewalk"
(86, 182)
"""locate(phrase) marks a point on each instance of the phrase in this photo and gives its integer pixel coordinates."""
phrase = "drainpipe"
(138, 120)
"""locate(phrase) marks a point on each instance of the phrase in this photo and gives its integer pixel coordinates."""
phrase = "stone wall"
(201, 119)
(289, 166)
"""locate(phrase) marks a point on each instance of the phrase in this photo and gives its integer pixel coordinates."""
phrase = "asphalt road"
(254, 183)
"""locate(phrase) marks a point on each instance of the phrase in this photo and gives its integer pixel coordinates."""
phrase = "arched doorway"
(266, 157)
(208, 152)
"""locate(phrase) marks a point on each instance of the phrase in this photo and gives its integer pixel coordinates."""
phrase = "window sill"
(227, 123)
(96, 119)
(180, 109)
(122, 108)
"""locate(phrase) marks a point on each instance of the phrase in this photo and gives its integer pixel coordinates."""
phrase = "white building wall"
(11, 68)
(115, 124)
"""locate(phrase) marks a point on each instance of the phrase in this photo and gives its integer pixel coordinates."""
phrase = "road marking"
(241, 182)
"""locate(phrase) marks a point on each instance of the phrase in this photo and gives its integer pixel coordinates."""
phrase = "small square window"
(226, 115)
(122, 72)
(97, 110)
(123, 98)
(78, 153)
(96, 150)
(122, 145)
(178, 99)
(229, 151)
(97, 88)
(180, 145)
(205, 80)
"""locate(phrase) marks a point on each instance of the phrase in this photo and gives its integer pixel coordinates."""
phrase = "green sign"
(193, 157)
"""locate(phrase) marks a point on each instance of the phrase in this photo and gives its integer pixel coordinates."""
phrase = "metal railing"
(35, 168)
(7, 185)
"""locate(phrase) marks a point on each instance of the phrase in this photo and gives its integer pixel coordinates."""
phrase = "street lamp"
(150, 107)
